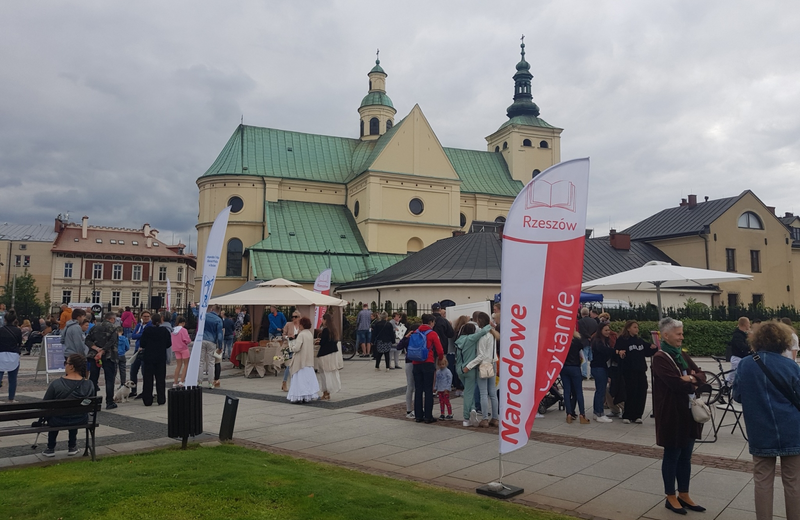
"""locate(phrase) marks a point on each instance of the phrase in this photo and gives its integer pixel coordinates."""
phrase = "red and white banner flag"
(322, 285)
(543, 243)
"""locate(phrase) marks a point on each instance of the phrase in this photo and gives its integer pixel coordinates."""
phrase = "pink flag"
(322, 285)
(543, 243)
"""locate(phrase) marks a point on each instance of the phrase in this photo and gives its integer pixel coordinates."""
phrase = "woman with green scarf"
(675, 380)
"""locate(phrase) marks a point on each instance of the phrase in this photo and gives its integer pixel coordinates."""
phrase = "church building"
(303, 202)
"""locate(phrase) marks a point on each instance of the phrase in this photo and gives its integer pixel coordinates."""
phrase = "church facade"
(303, 202)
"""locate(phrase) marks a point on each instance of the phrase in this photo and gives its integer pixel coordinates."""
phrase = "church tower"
(376, 110)
(528, 143)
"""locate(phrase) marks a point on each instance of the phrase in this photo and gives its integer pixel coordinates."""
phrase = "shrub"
(701, 337)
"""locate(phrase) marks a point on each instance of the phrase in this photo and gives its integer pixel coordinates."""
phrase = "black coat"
(154, 344)
(636, 350)
(739, 346)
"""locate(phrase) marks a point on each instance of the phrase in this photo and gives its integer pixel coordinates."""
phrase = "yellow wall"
(40, 262)
(523, 160)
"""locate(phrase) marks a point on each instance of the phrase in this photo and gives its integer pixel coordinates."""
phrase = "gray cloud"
(113, 110)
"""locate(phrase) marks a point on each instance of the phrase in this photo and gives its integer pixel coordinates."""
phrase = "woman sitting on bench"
(72, 385)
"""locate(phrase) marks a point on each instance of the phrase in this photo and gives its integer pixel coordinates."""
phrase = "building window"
(362, 128)
(496, 148)
(500, 220)
(162, 296)
(356, 209)
(23, 247)
(178, 299)
(416, 206)
(526, 142)
(135, 298)
(730, 260)
(411, 308)
(162, 273)
(66, 296)
(733, 300)
(116, 272)
(758, 299)
(17, 261)
(137, 273)
(115, 298)
(236, 204)
(755, 261)
(374, 126)
(97, 272)
(795, 232)
(535, 173)
(180, 274)
(96, 296)
(750, 220)
(505, 145)
(233, 265)
(544, 144)
(67, 269)
(388, 125)
(463, 220)
(26, 261)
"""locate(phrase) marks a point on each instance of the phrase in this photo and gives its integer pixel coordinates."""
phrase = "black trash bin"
(185, 413)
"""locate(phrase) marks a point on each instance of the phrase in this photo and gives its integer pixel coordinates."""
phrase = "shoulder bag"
(701, 413)
(788, 393)
(486, 368)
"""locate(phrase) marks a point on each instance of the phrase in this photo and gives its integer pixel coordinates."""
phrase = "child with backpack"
(443, 381)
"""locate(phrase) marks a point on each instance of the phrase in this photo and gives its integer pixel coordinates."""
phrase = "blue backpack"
(418, 346)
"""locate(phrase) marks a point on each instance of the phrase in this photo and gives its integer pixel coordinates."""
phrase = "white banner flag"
(210, 264)
(169, 296)
(543, 243)
(322, 285)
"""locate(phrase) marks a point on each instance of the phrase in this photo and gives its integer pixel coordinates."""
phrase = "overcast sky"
(113, 109)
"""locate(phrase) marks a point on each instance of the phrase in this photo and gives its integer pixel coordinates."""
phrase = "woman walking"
(772, 420)
(602, 353)
(675, 380)
(154, 344)
(304, 386)
(633, 350)
(327, 364)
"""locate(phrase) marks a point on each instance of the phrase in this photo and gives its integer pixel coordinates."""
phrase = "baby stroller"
(555, 395)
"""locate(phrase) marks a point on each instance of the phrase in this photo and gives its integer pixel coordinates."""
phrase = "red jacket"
(432, 343)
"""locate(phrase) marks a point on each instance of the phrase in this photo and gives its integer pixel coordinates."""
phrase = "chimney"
(771, 209)
(59, 225)
(788, 215)
(692, 201)
(146, 230)
(85, 227)
(588, 232)
(620, 241)
(149, 241)
(683, 203)
(459, 233)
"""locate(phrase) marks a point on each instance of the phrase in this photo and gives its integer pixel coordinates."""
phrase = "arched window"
(387, 307)
(750, 220)
(544, 144)
(356, 209)
(233, 265)
(496, 148)
(500, 220)
(370, 84)
(535, 173)
(413, 245)
(411, 308)
(463, 220)
(388, 125)
(526, 142)
(505, 145)
(374, 126)
(362, 127)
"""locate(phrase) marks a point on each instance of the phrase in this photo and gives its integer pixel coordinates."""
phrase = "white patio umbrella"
(662, 274)
(277, 292)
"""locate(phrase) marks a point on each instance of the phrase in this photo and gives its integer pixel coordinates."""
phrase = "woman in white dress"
(328, 365)
(304, 386)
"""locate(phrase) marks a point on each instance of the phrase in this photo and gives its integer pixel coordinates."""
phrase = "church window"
(750, 220)
(416, 206)
(505, 145)
(362, 127)
(356, 209)
(411, 308)
(233, 266)
(496, 148)
(500, 220)
(370, 84)
(544, 144)
(463, 220)
(535, 173)
(374, 126)
(526, 142)
(236, 204)
(388, 125)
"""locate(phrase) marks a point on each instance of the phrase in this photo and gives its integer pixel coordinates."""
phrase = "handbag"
(787, 393)
(486, 370)
(701, 413)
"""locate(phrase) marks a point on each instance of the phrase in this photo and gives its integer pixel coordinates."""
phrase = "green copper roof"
(301, 233)
(483, 172)
(527, 120)
(376, 98)
(377, 67)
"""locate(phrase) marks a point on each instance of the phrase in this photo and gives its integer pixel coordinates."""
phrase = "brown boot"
(284, 387)
(494, 423)
(584, 420)
(483, 424)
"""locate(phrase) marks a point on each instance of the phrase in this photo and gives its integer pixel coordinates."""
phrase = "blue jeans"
(587, 356)
(226, 351)
(572, 381)
(65, 421)
(12, 383)
(488, 398)
(600, 375)
(677, 465)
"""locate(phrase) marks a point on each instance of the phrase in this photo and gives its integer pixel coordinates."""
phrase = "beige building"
(304, 202)
(27, 247)
(118, 266)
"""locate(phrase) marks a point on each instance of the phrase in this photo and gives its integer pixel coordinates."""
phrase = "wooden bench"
(26, 413)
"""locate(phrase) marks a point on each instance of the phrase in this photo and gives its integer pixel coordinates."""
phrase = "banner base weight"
(499, 490)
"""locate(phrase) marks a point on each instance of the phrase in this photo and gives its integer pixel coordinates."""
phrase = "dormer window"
(98, 240)
(135, 243)
(750, 220)
(155, 244)
(121, 242)
(112, 241)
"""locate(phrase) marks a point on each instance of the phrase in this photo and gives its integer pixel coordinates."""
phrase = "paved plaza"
(598, 470)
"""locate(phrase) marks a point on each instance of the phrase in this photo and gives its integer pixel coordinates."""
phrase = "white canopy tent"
(662, 274)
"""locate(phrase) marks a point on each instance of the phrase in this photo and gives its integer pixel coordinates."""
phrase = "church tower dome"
(376, 111)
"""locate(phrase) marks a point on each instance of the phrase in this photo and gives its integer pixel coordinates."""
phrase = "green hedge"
(701, 337)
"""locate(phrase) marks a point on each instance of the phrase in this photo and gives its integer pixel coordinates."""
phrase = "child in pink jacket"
(180, 347)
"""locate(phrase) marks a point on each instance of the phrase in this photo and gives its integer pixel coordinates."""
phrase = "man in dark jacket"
(102, 342)
(739, 347)
(442, 327)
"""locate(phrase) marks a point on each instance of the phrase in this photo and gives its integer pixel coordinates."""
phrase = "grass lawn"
(230, 482)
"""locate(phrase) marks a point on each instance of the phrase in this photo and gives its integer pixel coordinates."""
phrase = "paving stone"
(618, 467)
(620, 504)
(432, 469)
(584, 486)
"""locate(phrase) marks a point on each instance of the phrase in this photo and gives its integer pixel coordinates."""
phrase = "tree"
(25, 298)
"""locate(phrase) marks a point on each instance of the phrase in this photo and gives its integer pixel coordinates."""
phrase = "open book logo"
(543, 194)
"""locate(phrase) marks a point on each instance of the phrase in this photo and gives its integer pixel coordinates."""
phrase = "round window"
(416, 206)
(500, 220)
(236, 204)
(463, 220)
(356, 209)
